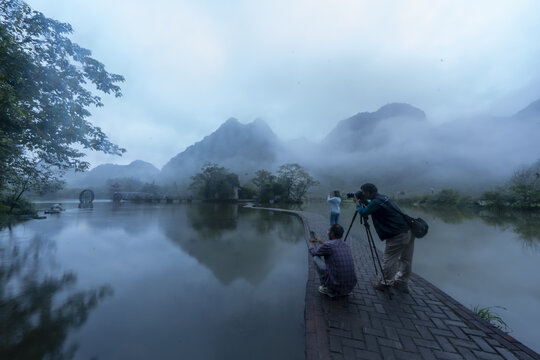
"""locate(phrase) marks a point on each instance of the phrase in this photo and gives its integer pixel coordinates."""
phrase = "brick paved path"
(368, 325)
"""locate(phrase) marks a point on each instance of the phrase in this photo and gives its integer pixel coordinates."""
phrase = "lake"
(480, 258)
(154, 281)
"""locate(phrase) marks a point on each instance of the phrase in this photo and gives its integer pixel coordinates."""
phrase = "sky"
(299, 65)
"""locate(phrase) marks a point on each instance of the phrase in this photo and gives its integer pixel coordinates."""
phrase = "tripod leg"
(350, 226)
(374, 250)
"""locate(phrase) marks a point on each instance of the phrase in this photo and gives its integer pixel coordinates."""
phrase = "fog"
(425, 155)
(302, 66)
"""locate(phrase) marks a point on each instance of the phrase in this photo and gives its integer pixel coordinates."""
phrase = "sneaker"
(326, 291)
(379, 285)
(401, 286)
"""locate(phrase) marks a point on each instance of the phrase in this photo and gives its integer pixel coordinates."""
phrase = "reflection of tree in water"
(35, 325)
(288, 227)
(525, 224)
(233, 243)
(451, 214)
(212, 220)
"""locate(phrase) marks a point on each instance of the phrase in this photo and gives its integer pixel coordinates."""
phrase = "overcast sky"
(299, 65)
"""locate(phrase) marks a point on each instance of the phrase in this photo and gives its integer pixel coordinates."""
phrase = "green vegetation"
(492, 317)
(290, 185)
(522, 192)
(44, 103)
(444, 198)
(215, 183)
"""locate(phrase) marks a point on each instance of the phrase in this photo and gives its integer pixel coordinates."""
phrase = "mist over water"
(144, 281)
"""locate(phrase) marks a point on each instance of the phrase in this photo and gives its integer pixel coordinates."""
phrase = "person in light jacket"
(334, 202)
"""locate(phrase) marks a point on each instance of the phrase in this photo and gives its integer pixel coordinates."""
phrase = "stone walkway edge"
(427, 324)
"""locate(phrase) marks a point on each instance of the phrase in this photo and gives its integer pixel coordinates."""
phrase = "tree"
(296, 181)
(214, 182)
(525, 186)
(261, 178)
(45, 99)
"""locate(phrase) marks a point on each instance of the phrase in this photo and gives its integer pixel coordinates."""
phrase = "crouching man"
(337, 274)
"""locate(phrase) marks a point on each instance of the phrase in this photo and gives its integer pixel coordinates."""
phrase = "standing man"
(337, 274)
(334, 202)
(392, 228)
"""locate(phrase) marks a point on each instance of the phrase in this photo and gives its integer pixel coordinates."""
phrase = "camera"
(359, 195)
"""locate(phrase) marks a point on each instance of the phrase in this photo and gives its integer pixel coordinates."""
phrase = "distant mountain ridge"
(362, 125)
(531, 111)
(97, 177)
(234, 145)
(394, 145)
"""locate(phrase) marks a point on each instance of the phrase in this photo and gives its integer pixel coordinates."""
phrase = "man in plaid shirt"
(337, 275)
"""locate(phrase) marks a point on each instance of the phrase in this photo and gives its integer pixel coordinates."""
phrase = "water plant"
(491, 316)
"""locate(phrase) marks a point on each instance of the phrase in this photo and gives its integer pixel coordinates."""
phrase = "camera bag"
(419, 226)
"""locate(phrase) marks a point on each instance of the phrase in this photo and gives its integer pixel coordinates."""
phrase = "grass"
(491, 316)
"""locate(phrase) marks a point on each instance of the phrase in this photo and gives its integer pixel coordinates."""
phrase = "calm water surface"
(154, 282)
(480, 259)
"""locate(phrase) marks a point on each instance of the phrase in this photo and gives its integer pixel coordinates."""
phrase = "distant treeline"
(521, 192)
(289, 184)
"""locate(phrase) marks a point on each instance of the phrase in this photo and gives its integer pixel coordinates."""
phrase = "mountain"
(98, 176)
(531, 111)
(239, 147)
(363, 125)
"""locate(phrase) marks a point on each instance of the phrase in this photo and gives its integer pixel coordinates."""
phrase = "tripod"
(372, 248)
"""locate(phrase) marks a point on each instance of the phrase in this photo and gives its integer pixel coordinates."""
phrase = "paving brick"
(487, 355)
(391, 333)
(390, 343)
(426, 353)
(371, 343)
(467, 353)
(387, 354)
(440, 332)
(445, 344)
(464, 343)
(447, 355)
(483, 344)
(473, 332)
(380, 308)
(408, 344)
(424, 332)
(404, 355)
(352, 343)
(455, 323)
(505, 353)
(458, 332)
(375, 332)
(367, 355)
(408, 323)
(409, 333)
(432, 344)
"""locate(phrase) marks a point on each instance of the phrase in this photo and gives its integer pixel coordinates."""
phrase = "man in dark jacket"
(392, 228)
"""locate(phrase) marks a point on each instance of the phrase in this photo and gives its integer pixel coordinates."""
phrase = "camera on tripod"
(359, 195)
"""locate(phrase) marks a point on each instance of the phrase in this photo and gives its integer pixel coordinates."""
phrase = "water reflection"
(213, 220)
(37, 311)
(525, 224)
(232, 242)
